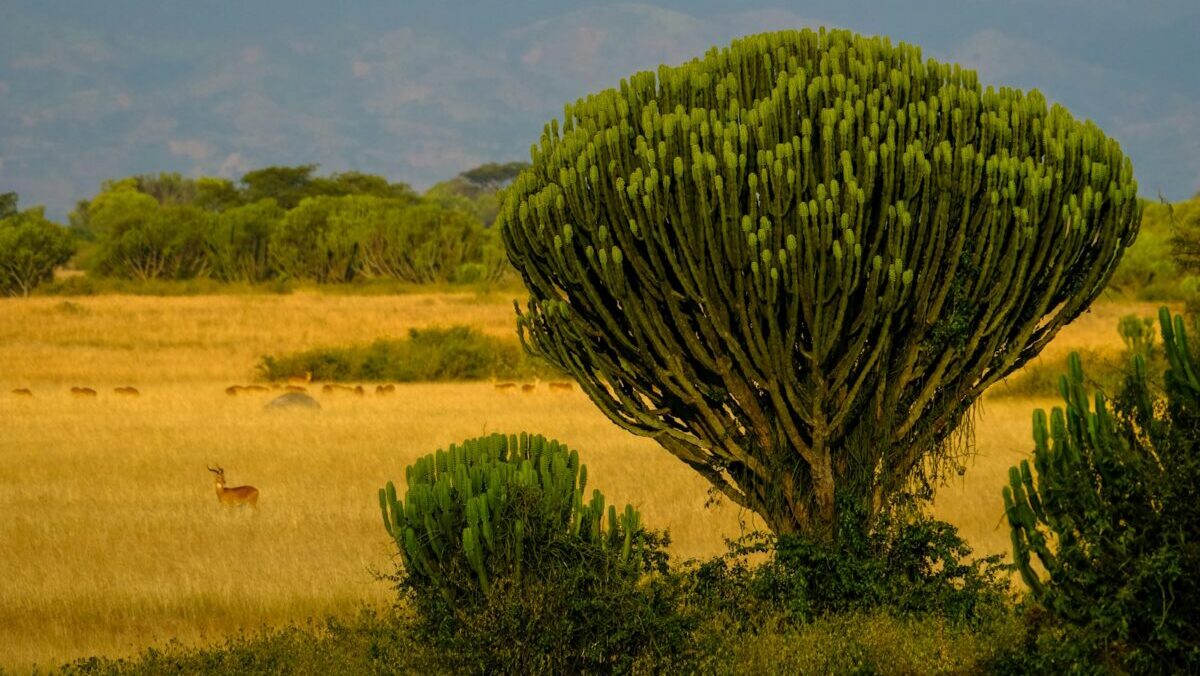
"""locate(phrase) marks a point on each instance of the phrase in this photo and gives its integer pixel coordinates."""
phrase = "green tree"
(30, 248)
(797, 262)
(239, 244)
(167, 188)
(308, 244)
(8, 204)
(286, 185)
(216, 194)
(140, 239)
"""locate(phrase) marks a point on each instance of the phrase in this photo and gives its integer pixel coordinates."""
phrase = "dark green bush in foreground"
(904, 563)
(510, 570)
(434, 354)
(1112, 517)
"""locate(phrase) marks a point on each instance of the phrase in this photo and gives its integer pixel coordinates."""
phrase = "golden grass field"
(112, 538)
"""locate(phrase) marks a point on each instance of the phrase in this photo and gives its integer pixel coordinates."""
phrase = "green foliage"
(1163, 263)
(856, 642)
(311, 243)
(30, 248)
(1111, 514)
(369, 643)
(140, 239)
(8, 205)
(510, 568)
(239, 244)
(433, 354)
(902, 562)
(797, 261)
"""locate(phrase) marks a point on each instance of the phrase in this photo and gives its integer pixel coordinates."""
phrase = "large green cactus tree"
(796, 262)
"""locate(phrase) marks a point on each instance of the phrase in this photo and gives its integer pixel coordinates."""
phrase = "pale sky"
(417, 92)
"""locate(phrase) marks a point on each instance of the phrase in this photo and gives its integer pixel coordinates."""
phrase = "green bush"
(904, 562)
(369, 643)
(1112, 518)
(30, 248)
(434, 354)
(511, 571)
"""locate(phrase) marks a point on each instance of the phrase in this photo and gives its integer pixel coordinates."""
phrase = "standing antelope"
(237, 496)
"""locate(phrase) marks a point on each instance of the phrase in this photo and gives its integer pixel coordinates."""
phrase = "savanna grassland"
(112, 538)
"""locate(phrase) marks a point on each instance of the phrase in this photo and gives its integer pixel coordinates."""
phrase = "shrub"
(434, 354)
(368, 643)
(511, 570)
(30, 248)
(1111, 515)
(904, 562)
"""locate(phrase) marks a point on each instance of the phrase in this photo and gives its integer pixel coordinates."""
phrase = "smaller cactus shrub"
(1110, 515)
(512, 567)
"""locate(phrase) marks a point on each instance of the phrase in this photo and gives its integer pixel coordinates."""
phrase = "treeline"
(287, 223)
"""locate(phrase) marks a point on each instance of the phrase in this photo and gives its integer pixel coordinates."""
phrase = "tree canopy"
(797, 261)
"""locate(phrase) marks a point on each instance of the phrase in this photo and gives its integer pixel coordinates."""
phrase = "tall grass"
(112, 538)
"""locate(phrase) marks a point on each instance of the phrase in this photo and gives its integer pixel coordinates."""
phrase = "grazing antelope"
(83, 392)
(300, 380)
(561, 386)
(385, 389)
(126, 391)
(232, 390)
(528, 388)
(296, 388)
(505, 387)
(23, 392)
(238, 496)
(358, 389)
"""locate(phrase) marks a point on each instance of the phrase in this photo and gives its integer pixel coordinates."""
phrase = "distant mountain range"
(92, 91)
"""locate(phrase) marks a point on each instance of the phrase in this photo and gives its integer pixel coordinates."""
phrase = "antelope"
(127, 391)
(358, 389)
(255, 388)
(561, 386)
(238, 496)
(327, 389)
(528, 388)
(505, 387)
(300, 380)
(385, 389)
(83, 392)
(232, 390)
(23, 392)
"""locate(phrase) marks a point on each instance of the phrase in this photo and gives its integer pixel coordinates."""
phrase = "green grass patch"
(434, 354)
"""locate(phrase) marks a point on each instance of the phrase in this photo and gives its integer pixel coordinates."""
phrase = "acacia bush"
(902, 562)
(31, 247)
(433, 354)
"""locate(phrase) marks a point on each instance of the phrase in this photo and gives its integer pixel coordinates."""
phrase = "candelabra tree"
(797, 261)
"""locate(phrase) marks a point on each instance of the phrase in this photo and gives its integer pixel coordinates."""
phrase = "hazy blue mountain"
(421, 91)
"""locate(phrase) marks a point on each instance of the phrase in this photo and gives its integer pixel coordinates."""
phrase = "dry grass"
(113, 538)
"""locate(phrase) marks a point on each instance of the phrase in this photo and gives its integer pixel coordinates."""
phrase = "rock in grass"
(292, 400)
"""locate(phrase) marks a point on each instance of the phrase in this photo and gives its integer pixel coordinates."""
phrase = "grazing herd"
(300, 384)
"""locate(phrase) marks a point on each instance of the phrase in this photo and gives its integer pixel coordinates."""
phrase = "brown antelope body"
(238, 496)
(561, 386)
(506, 387)
(126, 391)
(385, 389)
(23, 392)
(83, 392)
(528, 388)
